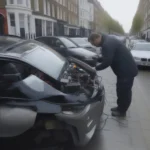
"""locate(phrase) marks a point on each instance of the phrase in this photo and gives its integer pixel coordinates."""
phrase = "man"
(116, 55)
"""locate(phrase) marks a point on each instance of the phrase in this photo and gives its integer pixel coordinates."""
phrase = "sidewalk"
(131, 133)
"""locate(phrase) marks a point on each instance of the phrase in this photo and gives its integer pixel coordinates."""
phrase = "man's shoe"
(114, 109)
(118, 114)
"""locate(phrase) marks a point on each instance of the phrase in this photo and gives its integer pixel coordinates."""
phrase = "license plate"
(146, 64)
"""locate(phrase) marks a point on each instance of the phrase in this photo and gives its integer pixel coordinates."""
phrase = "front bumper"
(142, 63)
(82, 125)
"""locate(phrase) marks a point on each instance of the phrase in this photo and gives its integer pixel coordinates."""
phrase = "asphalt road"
(133, 132)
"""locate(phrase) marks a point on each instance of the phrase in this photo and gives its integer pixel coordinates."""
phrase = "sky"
(121, 10)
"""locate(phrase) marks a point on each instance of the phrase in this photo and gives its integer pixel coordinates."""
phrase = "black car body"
(66, 47)
(45, 97)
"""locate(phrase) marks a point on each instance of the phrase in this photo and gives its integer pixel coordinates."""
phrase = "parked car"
(45, 98)
(68, 48)
(133, 42)
(82, 42)
(141, 54)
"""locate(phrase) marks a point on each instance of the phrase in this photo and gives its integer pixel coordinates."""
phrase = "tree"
(136, 24)
(113, 26)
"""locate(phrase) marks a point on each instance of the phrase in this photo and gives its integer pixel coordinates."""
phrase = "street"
(133, 132)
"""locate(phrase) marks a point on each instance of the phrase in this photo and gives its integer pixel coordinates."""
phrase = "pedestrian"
(116, 55)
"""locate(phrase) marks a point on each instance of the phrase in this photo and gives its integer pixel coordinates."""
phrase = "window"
(56, 63)
(57, 12)
(68, 43)
(64, 2)
(44, 7)
(38, 26)
(49, 28)
(20, 2)
(11, 1)
(53, 10)
(66, 30)
(21, 20)
(28, 4)
(71, 7)
(29, 23)
(22, 25)
(81, 13)
(68, 5)
(18, 72)
(43, 28)
(36, 5)
(12, 19)
(61, 2)
(64, 16)
(48, 8)
(61, 14)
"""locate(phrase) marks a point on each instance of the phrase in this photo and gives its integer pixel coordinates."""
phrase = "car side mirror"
(62, 46)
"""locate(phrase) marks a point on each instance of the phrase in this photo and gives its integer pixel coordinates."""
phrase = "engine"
(77, 81)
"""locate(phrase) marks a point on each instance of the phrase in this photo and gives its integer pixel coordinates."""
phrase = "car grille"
(143, 59)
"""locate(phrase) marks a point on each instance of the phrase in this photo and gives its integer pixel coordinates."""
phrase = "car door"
(57, 45)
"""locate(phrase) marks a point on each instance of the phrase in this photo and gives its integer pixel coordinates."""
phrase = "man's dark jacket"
(116, 55)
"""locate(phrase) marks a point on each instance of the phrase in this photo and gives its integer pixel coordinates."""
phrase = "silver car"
(46, 98)
(141, 54)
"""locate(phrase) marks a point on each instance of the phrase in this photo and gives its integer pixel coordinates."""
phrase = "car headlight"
(137, 58)
(72, 110)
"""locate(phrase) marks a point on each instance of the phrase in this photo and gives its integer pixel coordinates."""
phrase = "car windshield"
(41, 57)
(83, 52)
(80, 41)
(142, 47)
(68, 43)
(6, 41)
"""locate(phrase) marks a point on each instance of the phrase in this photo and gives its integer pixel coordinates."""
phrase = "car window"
(43, 40)
(11, 67)
(41, 57)
(68, 43)
(54, 42)
(8, 41)
(11, 72)
(142, 47)
(79, 40)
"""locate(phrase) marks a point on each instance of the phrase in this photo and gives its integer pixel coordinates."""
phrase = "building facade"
(86, 17)
(144, 11)
(33, 18)
(72, 29)
(19, 18)
(99, 16)
(43, 13)
(67, 18)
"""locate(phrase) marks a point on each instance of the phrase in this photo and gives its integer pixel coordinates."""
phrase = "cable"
(105, 121)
